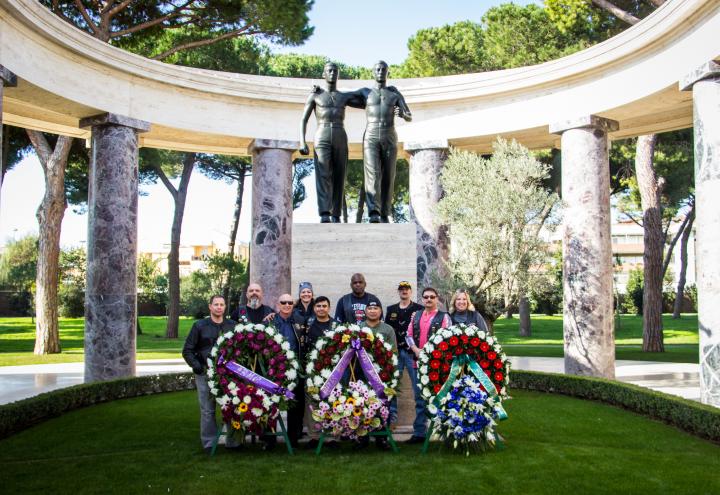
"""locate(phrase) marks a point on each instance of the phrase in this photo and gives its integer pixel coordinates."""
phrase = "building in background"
(192, 257)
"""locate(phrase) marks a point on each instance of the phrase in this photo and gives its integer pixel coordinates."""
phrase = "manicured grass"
(680, 337)
(555, 444)
(17, 339)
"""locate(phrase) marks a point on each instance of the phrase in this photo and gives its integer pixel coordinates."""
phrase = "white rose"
(214, 391)
(426, 392)
(423, 369)
(318, 381)
(424, 380)
(313, 355)
(481, 334)
(211, 384)
(214, 352)
(290, 355)
(232, 386)
(437, 339)
(256, 411)
(236, 400)
(319, 344)
(285, 346)
(424, 358)
(228, 335)
(278, 338)
(394, 360)
(259, 327)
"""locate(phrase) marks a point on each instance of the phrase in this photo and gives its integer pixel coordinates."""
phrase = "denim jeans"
(406, 361)
(208, 424)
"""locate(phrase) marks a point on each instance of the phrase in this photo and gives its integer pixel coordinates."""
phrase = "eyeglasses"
(429, 296)
(285, 302)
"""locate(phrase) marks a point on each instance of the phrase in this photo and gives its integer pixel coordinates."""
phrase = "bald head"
(285, 305)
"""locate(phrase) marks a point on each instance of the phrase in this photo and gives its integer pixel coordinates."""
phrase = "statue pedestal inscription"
(327, 254)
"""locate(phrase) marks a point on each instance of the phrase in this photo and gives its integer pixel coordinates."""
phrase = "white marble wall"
(327, 255)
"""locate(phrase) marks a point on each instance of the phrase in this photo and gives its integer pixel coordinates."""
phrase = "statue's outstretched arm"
(309, 107)
(358, 98)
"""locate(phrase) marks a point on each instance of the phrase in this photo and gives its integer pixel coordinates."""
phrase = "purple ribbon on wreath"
(259, 381)
(355, 349)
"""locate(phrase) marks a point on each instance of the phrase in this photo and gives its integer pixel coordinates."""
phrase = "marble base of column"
(111, 291)
(271, 238)
(705, 85)
(426, 162)
(587, 249)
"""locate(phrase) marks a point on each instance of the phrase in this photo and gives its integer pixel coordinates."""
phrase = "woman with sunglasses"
(463, 312)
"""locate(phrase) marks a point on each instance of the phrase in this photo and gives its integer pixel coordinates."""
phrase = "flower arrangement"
(436, 358)
(463, 374)
(355, 409)
(353, 412)
(251, 371)
(465, 417)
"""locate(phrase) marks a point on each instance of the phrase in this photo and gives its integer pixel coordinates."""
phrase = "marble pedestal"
(327, 255)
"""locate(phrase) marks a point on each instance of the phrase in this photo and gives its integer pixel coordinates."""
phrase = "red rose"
(459, 351)
(499, 376)
(492, 355)
(498, 364)
(384, 376)
(488, 373)
(464, 339)
(434, 376)
(366, 344)
(454, 341)
(443, 346)
(484, 364)
(434, 364)
(436, 354)
(484, 347)
(445, 368)
(331, 349)
(389, 354)
(323, 352)
(436, 389)
(389, 368)
(475, 342)
(336, 337)
(318, 366)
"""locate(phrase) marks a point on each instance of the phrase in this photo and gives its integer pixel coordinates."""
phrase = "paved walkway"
(19, 382)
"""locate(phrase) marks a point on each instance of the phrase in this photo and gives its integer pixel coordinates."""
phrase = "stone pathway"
(19, 382)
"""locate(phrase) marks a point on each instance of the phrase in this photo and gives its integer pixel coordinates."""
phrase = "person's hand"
(416, 351)
(269, 317)
(198, 370)
(315, 88)
(304, 149)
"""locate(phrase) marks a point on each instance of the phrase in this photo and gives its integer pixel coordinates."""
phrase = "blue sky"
(356, 33)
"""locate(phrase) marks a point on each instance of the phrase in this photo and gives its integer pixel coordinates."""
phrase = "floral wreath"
(251, 372)
(355, 409)
(463, 373)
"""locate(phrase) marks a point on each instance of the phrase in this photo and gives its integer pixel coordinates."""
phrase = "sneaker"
(415, 439)
(312, 444)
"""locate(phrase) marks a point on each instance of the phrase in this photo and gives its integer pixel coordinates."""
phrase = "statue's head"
(331, 72)
(380, 71)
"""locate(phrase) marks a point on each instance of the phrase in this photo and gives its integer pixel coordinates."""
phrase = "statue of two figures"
(381, 103)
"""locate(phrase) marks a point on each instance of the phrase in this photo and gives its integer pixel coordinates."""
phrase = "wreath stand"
(273, 432)
(385, 432)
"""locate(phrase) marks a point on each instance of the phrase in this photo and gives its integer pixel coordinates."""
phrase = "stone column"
(111, 290)
(587, 249)
(271, 241)
(7, 78)
(705, 85)
(426, 161)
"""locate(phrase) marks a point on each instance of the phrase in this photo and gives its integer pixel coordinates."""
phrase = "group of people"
(406, 325)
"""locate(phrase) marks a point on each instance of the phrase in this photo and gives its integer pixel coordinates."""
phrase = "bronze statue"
(382, 103)
(331, 144)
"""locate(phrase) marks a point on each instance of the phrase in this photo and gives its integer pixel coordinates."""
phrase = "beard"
(254, 303)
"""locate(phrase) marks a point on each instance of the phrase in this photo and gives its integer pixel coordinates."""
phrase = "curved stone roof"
(65, 74)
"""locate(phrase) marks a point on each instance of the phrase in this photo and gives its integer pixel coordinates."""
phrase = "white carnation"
(270, 331)
(256, 411)
(424, 380)
(318, 381)
(285, 346)
(423, 369)
(313, 355)
(228, 335)
(236, 400)
(291, 374)
(325, 373)
(290, 354)
(214, 352)
(214, 391)
(278, 338)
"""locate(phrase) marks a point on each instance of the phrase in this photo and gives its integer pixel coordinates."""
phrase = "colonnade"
(587, 272)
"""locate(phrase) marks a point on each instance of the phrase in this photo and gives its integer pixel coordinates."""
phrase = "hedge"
(17, 416)
(695, 418)
(690, 416)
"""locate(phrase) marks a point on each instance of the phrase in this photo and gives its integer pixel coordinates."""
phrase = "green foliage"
(307, 66)
(690, 416)
(71, 289)
(571, 16)
(151, 284)
(196, 288)
(495, 208)
(546, 289)
(450, 49)
(23, 414)
(301, 170)
(18, 264)
(691, 293)
(634, 300)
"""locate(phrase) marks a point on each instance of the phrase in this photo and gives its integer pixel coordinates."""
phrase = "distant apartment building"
(192, 257)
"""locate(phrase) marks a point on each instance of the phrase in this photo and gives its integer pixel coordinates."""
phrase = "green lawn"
(681, 338)
(555, 444)
(17, 337)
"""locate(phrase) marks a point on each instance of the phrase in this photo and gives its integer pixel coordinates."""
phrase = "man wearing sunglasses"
(421, 328)
(285, 324)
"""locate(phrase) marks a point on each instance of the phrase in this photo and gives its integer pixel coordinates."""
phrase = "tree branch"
(671, 247)
(621, 14)
(42, 148)
(86, 16)
(164, 179)
(154, 22)
(657, 3)
(205, 42)
(121, 6)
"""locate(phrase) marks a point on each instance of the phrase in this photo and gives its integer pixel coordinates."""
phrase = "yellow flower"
(236, 424)
(357, 411)
(370, 336)
(345, 339)
(350, 401)
(367, 421)
(242, 407)
(336, 404)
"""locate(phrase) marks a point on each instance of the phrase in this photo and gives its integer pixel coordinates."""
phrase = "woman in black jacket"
(463, 312)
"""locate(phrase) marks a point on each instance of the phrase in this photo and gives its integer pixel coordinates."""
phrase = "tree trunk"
(680, 294)
(361, 204)
(234, 229)
(654, 240)
(507, 299)
(50, 215)
(179, 196)
(524, 314)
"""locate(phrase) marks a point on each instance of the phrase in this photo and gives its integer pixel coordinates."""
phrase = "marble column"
(111, 289)
(271, 238)
(587, 249)
(426, 161)
(8, 79)
(705, 85)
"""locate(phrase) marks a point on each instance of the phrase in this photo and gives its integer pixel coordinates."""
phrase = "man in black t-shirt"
(351, 307)
(254, 311)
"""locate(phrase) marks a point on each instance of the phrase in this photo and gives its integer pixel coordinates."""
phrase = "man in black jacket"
(351, 307)
(254, 311)
(196, 350)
